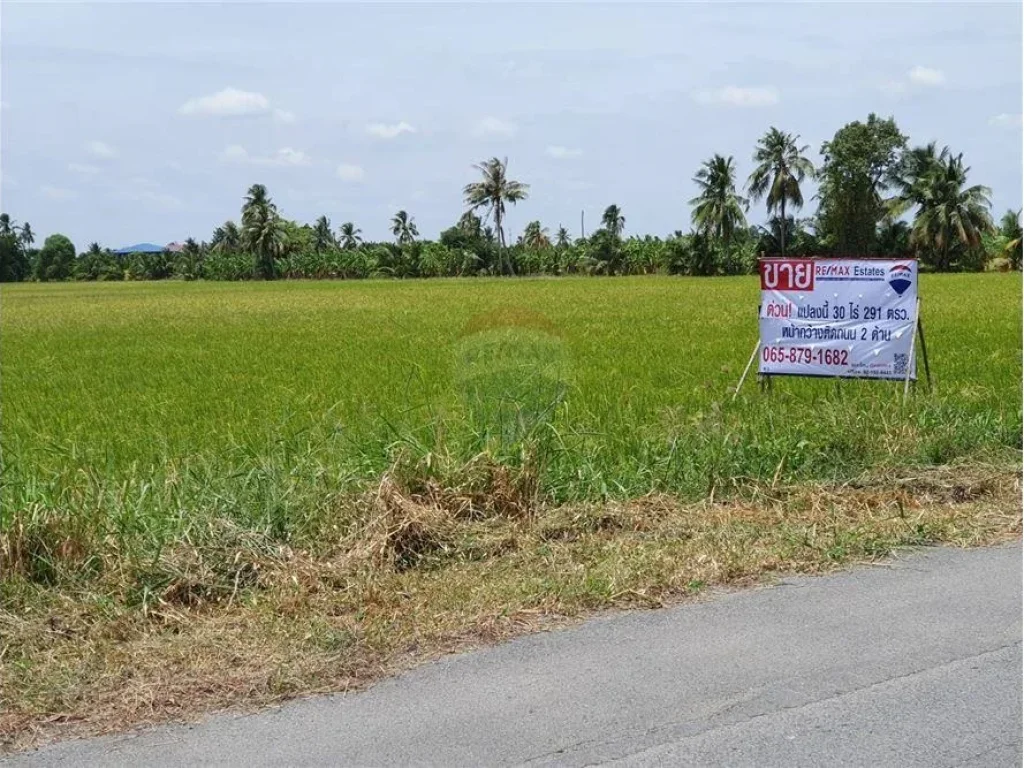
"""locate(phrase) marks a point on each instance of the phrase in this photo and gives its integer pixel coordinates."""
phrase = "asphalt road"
(913, 663)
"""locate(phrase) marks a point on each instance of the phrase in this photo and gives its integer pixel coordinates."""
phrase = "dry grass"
(236, 621)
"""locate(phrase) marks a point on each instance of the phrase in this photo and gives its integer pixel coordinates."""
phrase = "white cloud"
(349, 172)
(284, 116)
(916, 77)
(229, 102)
(100, 149)
(1006, 120)
(86, 170)
(58, 193)
(736, 96)
(925, 76)
(492, 126)
(563, 153)
(284, 157)
(384, 131)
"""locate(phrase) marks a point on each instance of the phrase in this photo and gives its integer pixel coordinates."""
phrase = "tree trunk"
(782, 229)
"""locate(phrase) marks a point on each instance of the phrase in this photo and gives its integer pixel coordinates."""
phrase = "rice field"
(143, 405)
(230, 494)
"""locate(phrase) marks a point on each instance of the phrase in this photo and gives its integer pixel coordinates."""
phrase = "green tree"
(350, 235)
(226, 238)
(562, 238)
(262, 232)
(781, 167)
(403, 227)
(14, 263)
(859, 165)
(7, 226)
(535, 236)
(56, 259)
(492, 192)
(950, 217)
(189, 265)
(323, 237)
(613, 220)
(718, 209)
(1010, 229)
(27, 236)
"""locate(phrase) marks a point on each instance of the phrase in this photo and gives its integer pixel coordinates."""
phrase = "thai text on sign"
(853, 318)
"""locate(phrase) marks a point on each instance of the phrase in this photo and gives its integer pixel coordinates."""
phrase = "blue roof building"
(140, 248)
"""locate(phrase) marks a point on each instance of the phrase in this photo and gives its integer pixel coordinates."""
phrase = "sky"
(124, 123)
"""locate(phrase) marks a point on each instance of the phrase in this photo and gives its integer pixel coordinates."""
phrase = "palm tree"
(948, 214)
(350, 235)
(470, 224)
(613, 220)
(492, 192)
(562, 238)
(27, 237)
(226, 238)
(191, 260)
(403, 228)
(1009, 227)
(323, 238)
(262, 232)
(7, 226)
(910, 176)
(535, 236)
(718, 209)
(781, 166)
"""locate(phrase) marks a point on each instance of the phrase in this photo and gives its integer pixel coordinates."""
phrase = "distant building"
(148, 248)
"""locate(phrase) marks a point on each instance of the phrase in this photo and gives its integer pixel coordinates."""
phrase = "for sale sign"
(838, 317)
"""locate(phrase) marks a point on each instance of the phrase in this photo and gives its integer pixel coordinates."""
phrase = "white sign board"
(838, 317)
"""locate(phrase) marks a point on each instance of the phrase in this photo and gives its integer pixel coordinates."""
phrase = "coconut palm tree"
(27, 237)
(470, 224)
(535, 236)
(7, 226)
(781, 166)
(262, 232)
(1009, 228)
(909, 177)
(948, 214)
(718, 209)
(226, 238)
(323, 238)
(350, 236)
(403, 227)
(562, 238)
(492, 192)
(613, 220)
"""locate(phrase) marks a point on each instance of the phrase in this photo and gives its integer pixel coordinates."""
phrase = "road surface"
(916, 662)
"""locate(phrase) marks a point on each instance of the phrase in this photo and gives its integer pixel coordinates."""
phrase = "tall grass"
(140, 416)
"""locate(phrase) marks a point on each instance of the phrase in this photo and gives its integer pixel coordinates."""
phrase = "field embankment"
(224, 494)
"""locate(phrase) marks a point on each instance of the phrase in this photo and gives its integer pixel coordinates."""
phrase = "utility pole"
(583, 232)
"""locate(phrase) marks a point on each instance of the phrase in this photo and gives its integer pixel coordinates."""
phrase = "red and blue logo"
(900, 278)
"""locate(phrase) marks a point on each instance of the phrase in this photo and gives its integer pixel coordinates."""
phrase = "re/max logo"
(787, 275)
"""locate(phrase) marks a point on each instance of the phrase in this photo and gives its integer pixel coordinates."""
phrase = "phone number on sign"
(805, 356)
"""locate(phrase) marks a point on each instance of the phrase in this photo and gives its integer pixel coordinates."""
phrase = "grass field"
(164, 444)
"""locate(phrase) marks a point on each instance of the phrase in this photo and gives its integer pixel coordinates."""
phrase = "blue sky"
(147, 122)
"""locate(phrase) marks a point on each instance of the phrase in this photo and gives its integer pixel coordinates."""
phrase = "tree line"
(877, 196)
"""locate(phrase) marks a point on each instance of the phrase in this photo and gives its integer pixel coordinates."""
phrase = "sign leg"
(750, 362)
(924, 353)
(910, 359)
